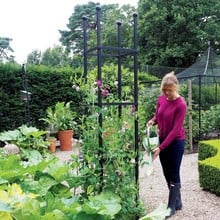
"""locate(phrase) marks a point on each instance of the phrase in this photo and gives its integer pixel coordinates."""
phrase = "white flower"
(133, 161)
(116, 83)
(123, 129)
(94, 90)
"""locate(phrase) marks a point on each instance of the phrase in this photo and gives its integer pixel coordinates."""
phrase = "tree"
(34, 57)
(173, 33)
(56, 56)
(73, 38)
(124, 15)
(5, 49)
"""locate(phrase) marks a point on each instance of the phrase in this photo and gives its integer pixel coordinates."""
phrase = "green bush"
(209, 165)
(211, 118)
(47, 85)
(44, 190)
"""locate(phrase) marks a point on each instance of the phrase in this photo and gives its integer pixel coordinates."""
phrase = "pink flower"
(99, 83)
(133, 109)
(105, 92)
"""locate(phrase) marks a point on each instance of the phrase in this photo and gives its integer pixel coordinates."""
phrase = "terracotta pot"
(52, 146)
(66, 140)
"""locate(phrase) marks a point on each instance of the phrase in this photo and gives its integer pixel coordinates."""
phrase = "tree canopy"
(34, 57)
(170, 33)
(5, 48)
(72, 38)
(173, 33)
(56, 56)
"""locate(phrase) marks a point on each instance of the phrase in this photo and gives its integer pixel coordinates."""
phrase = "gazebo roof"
(206, 67)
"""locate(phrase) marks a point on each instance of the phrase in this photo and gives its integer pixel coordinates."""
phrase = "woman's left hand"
(156, 152)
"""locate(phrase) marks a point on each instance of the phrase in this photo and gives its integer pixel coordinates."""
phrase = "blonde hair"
(169, 80)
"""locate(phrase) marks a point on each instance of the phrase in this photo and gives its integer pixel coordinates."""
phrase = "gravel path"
(197, 203)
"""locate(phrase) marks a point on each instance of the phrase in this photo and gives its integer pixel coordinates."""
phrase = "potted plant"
(61, 118)
(52, 144)
(50, 120)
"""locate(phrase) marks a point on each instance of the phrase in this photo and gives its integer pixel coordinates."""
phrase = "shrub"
(209, 165)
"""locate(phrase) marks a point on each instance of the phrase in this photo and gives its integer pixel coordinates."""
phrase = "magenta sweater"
(170, 115)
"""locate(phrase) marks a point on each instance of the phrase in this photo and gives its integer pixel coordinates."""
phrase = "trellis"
(117, 52)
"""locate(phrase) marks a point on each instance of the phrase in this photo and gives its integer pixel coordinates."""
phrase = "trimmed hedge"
(209, 165)
(47, 85)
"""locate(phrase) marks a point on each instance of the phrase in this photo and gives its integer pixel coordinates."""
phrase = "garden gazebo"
(204, 73)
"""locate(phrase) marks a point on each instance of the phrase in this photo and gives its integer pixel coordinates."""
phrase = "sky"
(35, 24)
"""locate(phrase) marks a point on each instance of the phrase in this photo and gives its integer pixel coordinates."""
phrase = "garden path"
(197, 203)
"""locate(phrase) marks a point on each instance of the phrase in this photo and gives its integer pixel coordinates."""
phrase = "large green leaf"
(106, 203)
(58, 170)
(9, 135)
(40, 187)
(30, 209)
(54, 215)
(158, 214)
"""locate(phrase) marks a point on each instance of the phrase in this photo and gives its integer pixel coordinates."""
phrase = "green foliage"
(208, 95)
(44, 83)
(47, 85)
(34, 57)
(56, 56)
(110, 13)
(115, 158)
(42, 194)
(13, 170)
(145, 77)
(45, 94)
(26, 138)
(109, 204)
(158, 214)
(209, 166)
(118, 158)
(61, 116)
(108, 168)
(148, 99)
(5, 49)
(11, 106)
(72, 38)
(209, 122)
(206, 150)
(209, 111)
(172, 33)
(211, 118)
(148, 95)
(124, 14)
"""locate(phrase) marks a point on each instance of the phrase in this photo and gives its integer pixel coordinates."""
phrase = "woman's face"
(170, 91)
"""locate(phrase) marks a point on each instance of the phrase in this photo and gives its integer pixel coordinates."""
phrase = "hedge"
(209, 165)
(47, 85)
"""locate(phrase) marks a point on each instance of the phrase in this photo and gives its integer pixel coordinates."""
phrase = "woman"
(170, 115)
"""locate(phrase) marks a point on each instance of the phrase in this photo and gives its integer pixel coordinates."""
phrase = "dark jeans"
(170, 159)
